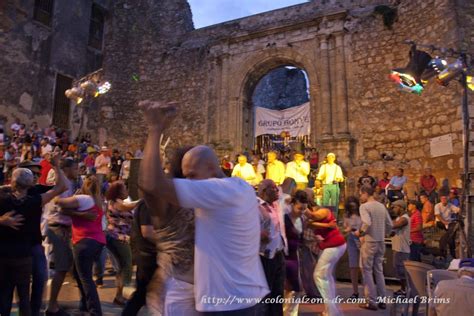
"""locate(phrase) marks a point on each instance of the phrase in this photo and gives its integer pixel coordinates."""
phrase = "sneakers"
(382, 306)
(99, 282)
(60, 312)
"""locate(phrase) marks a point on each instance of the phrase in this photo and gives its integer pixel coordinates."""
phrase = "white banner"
(295, 120)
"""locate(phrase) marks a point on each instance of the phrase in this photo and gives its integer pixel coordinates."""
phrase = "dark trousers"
(448, 239)
(85, 252)
(249, 311)
(415, 251)
(146, 266)
(123, 253)
(39, 279)
(275, 273)
(15, 273)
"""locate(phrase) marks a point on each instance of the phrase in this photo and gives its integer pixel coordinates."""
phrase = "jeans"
(415, 251)
(146, 266)
(15, 273)
(123, 253)
(324, 276)
(39, 278)
(371, 259)
(275, 274)
(85, 252)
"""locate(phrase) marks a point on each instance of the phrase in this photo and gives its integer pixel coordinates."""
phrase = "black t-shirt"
(142, 217)
(116, 164)
(18, 243)
(38, 189)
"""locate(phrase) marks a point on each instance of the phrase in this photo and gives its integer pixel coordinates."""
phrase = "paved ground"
(70, 294)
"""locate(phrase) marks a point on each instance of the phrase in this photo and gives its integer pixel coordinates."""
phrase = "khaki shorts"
(60, 238)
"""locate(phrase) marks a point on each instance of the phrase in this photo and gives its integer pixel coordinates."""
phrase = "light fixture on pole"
(452, 71)
(409, 78)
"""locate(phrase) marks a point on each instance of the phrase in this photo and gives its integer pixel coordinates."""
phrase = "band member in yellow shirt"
(298, 169)
(275, 168)
(330, 174)
(244, 170)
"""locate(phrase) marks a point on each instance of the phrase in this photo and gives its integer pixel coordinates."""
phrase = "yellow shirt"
(276, 172)
(244, 172)
(329, 173)
(299, 171)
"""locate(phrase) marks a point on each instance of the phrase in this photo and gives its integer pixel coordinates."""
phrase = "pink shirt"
(102, 164)
(82, 228)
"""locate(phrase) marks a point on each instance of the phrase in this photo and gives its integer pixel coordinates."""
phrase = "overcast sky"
(208, 12)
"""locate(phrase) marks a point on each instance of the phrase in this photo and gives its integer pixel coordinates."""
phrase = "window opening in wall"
(43, 11)
(61, 102)
(96, 27)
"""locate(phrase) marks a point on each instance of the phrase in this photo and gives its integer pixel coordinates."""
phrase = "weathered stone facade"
(344, 47)
(33, 54)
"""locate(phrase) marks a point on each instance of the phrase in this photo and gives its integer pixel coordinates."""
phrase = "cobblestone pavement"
(69, 300)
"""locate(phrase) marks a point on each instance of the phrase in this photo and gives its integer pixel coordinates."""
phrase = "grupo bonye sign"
(295, 120)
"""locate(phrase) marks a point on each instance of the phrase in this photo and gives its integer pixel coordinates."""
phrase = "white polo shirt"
(226, 262)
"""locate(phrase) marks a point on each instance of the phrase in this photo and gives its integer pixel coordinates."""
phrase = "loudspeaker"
(133, 178)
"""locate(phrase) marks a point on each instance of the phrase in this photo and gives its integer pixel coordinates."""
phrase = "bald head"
(201, 162)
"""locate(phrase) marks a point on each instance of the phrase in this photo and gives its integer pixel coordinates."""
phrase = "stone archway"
(257, 67)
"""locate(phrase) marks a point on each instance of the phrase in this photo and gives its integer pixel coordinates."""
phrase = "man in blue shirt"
(395, 187)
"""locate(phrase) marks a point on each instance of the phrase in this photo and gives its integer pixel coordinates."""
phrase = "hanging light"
(409, 78)
(470, 82)
(76, 94)
(434, 68)
(452, 71)
(89, 87)
(104, 88)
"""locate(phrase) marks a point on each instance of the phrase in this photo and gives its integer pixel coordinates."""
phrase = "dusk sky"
(209, 12)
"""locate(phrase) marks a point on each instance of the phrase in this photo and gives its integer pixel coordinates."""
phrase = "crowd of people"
(207, 236)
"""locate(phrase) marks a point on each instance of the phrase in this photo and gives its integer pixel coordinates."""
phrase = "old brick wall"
(402, 124)
(31, 54)
(344, 47)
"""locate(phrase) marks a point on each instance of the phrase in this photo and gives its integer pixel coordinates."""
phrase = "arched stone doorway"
(255, 74)
(281, 88)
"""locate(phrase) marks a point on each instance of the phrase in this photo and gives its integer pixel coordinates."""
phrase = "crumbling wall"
(31, 54)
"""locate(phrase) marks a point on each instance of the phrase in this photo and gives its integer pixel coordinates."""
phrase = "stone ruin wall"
(211, 72)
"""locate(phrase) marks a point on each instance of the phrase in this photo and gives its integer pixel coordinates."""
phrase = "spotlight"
(470, 82)
(76, 94)
(104, 88)
(89, 87)
(434, 68)
(452, 71)
(409, 78)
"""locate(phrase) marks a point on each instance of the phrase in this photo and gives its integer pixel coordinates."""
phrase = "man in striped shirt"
(376, 223)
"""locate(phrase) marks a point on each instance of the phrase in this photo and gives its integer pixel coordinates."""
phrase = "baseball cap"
(331, 154)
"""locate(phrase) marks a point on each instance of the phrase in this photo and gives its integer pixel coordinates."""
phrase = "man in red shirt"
(384, 182)
(428, 185)
(45, 167)
(416, 227)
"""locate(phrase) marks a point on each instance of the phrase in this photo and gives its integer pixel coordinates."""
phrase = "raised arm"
(122, 206)
(157, 188)
(60, 180)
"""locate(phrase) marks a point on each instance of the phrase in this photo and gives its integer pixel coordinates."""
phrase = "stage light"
(434, 68)
(409, 78)
(452, 71)
(89, 87)
(76, 94)
(104, 88)
(470, 82)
